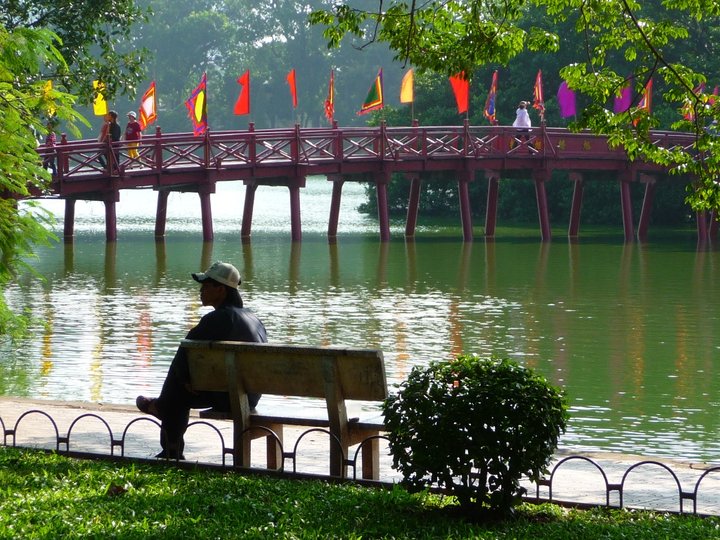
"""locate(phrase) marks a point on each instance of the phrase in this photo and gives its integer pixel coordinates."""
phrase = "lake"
(631, 332)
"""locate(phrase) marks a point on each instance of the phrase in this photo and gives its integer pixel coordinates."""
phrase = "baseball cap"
(221, 272)
(132, 113)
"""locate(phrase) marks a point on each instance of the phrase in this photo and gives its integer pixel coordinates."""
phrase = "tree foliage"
(26, 104)
(95, 39)
(616, 43)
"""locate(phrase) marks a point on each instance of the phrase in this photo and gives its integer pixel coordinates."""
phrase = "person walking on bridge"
(133, 134)
(228, 321)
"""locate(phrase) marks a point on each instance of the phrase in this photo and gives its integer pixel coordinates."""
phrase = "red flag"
(330, 100)
(374, 99)
(197, 107)
(148, 108)
(293, 89)
(538, 99)
(489, 111)
(461, 88)
(242, 105)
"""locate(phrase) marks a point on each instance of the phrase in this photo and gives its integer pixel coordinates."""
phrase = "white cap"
(132, 113)
(221, 272)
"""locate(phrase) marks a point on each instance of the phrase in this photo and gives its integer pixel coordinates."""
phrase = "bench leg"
(273, 448)
(371, 459)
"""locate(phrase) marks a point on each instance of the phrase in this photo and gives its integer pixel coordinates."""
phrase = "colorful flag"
(47, 94)
(407, 87)
(242, 105)
(566, 101)
(148, 108)
(99, 104)
(330, 100)
(197, 107)
(461, 89)
(646, 99)
(293, 89)
(538, 98)
(374, 99)
(623, 99)
(688, 108)
(489, 110)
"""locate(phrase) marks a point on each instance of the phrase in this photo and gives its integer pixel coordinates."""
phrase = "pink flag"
(623, 100)
(566, 100)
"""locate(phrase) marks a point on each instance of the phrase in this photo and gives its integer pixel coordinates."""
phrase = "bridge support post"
(111, 216)
(338, 182)
(713, 233)
(464, 179)
(69, 225)
(206, 211)
(702, 226)
(493, 179)
(540, 178)
(626, 203)
(295, 224)
(413, 204)
(650, 186)
(250, 188)
(161, 213)
(381, 182)
(578, 187)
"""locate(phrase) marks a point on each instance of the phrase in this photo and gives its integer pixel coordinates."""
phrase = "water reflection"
(628, 330)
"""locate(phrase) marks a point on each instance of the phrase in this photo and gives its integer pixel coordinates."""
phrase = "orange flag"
(197, 107)
(330, 100)
(242, 105)
(148, 108)
(293, 89)
(407, 88)
(461, 88)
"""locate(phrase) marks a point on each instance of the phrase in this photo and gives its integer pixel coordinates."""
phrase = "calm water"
(631, 332)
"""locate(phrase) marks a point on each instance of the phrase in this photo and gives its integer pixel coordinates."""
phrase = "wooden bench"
(330, 373)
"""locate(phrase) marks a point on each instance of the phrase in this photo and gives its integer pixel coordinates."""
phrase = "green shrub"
(474, 427)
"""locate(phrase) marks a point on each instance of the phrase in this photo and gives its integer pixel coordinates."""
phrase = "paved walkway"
(121, 430)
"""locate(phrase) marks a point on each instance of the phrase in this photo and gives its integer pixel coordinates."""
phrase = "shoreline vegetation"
(46, 495)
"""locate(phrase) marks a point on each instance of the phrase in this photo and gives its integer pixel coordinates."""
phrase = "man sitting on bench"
(228, 321)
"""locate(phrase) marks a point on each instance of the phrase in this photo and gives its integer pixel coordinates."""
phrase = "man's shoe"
(147, 405)
(169, 454)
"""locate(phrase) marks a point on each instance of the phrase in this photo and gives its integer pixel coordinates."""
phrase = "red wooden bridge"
(285, 157)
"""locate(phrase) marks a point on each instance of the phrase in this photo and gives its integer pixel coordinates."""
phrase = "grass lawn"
(51, 497)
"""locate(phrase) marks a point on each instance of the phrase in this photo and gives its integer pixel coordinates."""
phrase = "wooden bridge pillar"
(295, 224)
(464, 179)
(702, 226)
(493, 179)
(626, 203)
(69, 225)
(650, 185)
(250, 188)
(713, 232)
(338, 182)
(413, 203)
(578, 187)
(206, 211)
(540, 177)
(381, 182)
(161, 213)
(111, 215)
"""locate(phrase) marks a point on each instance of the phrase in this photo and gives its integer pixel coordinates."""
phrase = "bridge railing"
(251, 149)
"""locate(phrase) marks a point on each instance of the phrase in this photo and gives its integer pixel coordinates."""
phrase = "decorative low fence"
(575, 479)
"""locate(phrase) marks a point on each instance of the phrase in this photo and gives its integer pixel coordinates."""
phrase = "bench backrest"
(303, 371)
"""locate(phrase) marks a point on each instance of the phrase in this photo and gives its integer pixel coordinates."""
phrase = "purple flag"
(566, 100)
(623, 101)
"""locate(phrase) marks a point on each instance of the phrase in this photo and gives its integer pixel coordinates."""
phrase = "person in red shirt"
(133, 134)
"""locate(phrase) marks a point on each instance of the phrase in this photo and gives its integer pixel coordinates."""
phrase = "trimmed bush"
(474, 427)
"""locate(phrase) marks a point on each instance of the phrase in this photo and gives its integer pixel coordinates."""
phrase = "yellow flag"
(99, 105)
(407, 91)
(47, 90)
